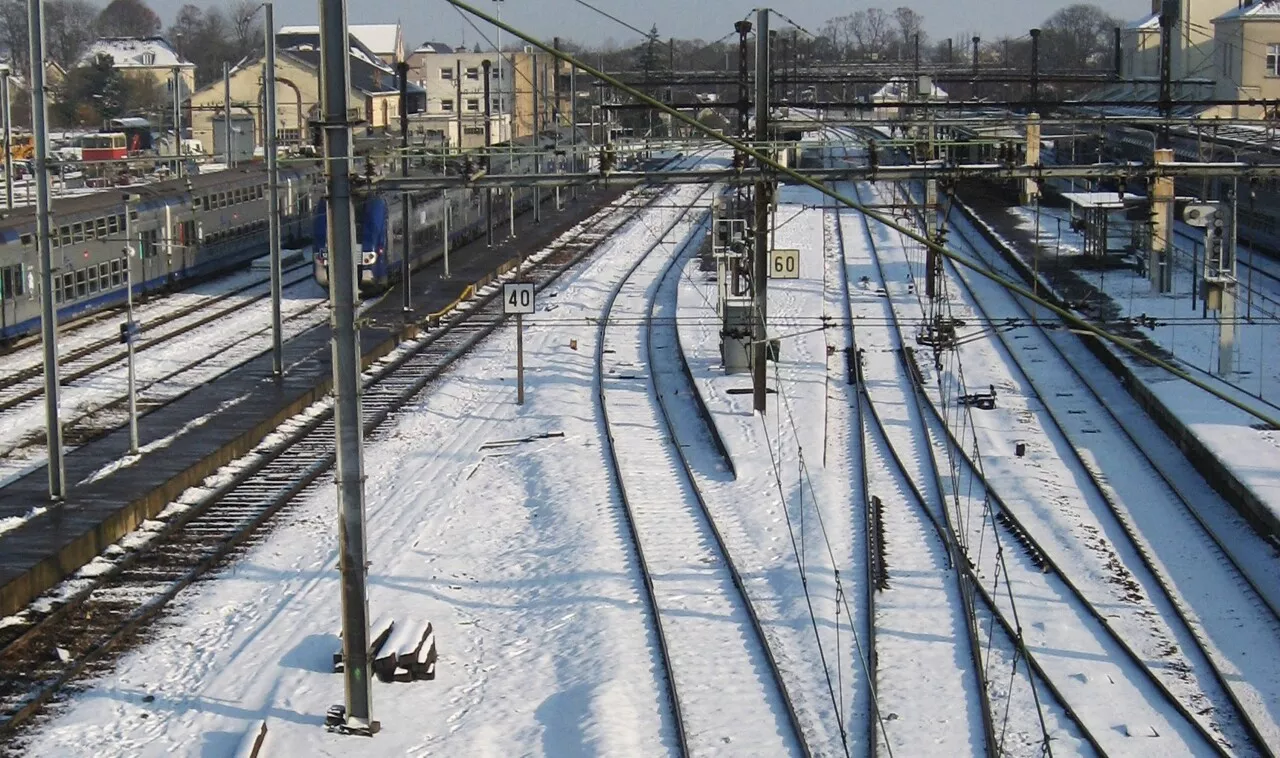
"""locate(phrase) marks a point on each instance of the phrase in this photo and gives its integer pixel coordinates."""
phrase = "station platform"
(188, 439)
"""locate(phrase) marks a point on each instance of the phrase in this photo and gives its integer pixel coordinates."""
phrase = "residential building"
(454, 84)
(1193, 44)
(150, 57)
(1248, 62)
(374, 96)
(386, 41)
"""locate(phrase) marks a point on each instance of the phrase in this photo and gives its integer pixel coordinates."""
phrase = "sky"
(683, 19)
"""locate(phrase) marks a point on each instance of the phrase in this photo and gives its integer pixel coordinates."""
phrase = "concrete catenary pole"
(269, 124)
(406, 212)
(759, 262)
(335, 76)
(48, 312)
(5, 72)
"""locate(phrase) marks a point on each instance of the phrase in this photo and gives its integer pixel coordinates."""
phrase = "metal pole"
(556, 114)
(406, 238)
(977, 42)
(486, 65)
(573, 131)
(128, 280)
(537, 191)
(48, 312)
(335, 75)
(226, 110)
(269, 124)
(458, 105)
(760, 266)
(1035, 67)
(177, 120)
(519, 359)
(8, 138)
(447, 213)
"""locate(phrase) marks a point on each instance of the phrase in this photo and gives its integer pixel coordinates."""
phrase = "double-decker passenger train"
(182, 229)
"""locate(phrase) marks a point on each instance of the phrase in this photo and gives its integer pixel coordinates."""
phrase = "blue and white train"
(183, 229)
(380, 241)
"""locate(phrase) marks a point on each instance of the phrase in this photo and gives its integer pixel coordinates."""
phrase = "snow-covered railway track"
(722, 679)
(1210, 570)
(16, 381)
(100, 612)
(25, 387)
(938, 596)
(1092, 660)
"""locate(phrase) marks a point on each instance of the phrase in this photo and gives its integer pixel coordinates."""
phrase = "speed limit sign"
(784, 264)
(517, 297)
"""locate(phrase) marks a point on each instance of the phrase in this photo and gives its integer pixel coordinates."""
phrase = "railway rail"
(58, 638)
(1124, 661)
(695, 593)
(1236, 591)
(27, 384)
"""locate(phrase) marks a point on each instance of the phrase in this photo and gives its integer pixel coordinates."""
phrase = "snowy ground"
(517, 554)
(1250, 452)
(167, 370)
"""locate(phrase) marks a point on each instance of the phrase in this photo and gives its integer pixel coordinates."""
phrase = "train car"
(380, 239)
(107, 146)
(182, 229)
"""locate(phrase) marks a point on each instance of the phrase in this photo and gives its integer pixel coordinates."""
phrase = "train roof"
(150, 195)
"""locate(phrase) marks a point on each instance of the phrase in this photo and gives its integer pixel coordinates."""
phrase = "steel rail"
(1129, 529)
(200, 538)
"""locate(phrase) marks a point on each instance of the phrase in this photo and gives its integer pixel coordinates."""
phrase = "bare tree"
(13, 32)
(70, 27)
(246, 28)
(910, 28)
(128, 18)
(1077, 36)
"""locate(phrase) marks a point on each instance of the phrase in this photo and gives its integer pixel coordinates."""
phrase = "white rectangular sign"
(517, 297)
(784, 264)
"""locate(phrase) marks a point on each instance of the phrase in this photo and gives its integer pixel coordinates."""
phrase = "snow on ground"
(805, 515)
(517, 554)
(921, 625)
(1251, 453)
(164, 371)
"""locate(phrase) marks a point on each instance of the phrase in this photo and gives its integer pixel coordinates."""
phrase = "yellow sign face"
(784, 264)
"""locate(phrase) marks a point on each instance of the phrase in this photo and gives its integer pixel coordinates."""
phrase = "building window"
(446, 105)
(473, 130)
(473, 104)
(496, 105)
(473, 74)
(446, 74)
(148, 59)
(1273, 60)
(497, 72)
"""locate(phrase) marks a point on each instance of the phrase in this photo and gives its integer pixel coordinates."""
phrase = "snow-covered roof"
(1150, 21)
(899, 89)
(1267, 9)
(136, 52)
(434, 47)
(380, 38)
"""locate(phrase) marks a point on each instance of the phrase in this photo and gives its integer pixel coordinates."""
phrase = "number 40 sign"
(784, 264)
(517, 298)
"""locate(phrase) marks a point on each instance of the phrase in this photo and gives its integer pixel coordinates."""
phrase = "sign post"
(517, 300)
(784, 264)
